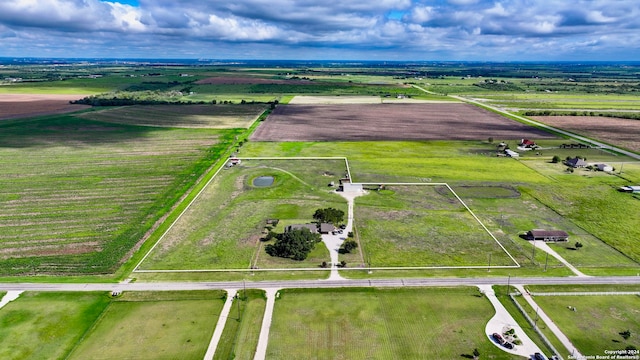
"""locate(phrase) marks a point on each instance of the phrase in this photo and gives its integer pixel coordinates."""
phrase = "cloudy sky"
(487, 30)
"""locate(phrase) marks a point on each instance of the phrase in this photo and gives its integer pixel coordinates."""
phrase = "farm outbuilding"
(604, 167)
(548, 235)
(311, 227)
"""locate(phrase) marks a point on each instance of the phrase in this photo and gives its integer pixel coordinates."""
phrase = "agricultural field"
(388, 122)
(27, 105)
(562, 101)
(440, 323)
(598, 321)
(223, 227)
(77, 196)
(181, 116)
(166, 325)
(621, 132)
(47, 325)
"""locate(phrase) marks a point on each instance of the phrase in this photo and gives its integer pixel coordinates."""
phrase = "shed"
(630, 189)
(604, 167)
(547, 235)
(311, 227)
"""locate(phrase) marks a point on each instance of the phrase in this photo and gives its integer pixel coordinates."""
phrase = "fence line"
(535, 328)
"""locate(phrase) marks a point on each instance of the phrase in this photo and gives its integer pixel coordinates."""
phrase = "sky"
(394, 30)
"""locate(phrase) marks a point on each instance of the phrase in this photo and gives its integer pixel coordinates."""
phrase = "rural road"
(283, 284)
(540, 125)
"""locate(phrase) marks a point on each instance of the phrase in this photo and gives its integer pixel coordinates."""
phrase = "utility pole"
(546, 261)
(533, 254)
(508, 284)
(489, 267)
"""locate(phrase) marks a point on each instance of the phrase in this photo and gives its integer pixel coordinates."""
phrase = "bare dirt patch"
(622, 132)
(331, 100)
(13, 106)
(368, 122)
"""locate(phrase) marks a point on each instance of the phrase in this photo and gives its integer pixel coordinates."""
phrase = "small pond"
(262, 181)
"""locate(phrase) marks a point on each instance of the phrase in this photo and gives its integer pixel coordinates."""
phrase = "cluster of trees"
(295, 244)
(329, 215)
(623, 115)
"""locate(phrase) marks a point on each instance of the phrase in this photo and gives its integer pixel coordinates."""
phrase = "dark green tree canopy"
(294, 244)
(329, 215)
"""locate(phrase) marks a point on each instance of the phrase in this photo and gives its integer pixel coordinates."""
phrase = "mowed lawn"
(170, 325)
(596, 324)
(219, 116)
(77, 195)
(223, 227)
(47, 325)
(422, 225)
(436, 323)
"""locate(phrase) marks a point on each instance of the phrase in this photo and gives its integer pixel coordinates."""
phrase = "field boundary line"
(584, 293)
(177, 218)
(517, 265)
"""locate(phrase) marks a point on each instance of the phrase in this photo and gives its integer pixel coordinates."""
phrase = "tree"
(578, 245)
(625, 334)
(555, 159)
(329, 215)
(349, 245)
(295, 244)
(476, 353)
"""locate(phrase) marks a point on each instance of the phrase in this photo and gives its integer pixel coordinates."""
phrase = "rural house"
(547, 235)
(526, 143)
(576, 162)
(326, 228)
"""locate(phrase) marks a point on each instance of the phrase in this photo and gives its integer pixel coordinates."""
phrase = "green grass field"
(223, 227)
(422, 226)
(47, 325)
(595, 326)
(381, 324)
(76, 195)
(240, 337)
(165, 325)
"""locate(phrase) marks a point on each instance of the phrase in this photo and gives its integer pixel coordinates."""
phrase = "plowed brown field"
(622, 132)
(433, 121)
(14, 106)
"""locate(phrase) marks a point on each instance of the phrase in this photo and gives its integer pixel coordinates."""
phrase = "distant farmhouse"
(547, 235)
(576, 162)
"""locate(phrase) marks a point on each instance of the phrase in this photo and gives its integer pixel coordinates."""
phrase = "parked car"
(498, 338)
(538, 356)
(508, 345)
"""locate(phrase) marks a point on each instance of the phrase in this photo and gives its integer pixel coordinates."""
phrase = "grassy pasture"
(47, 325)
(76, 195)
(223, 227)
(166, 325)
(240, 337)
(422, 226)
(181, 116)
(599, 319)
(588, 206)
(381, 324)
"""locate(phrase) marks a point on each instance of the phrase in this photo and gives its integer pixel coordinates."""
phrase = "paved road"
(283, 284)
